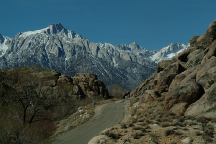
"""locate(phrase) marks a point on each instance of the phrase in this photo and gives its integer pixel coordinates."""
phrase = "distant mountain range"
(58, 48)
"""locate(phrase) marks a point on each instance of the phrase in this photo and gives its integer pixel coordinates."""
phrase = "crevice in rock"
(183, 57)
(214, 52)
(159, 69)
(200, 93)
(181, 69)
(170, 79)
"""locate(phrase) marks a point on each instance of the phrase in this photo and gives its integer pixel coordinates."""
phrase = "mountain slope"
(188, 78)
(65, 51)
(177, 104)
(4, 45)
(168, 52)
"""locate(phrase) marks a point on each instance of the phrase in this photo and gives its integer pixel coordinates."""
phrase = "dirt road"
(105, 116)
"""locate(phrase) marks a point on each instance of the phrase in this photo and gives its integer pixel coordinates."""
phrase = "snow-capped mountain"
(58, 48)
(168, 52)
(63, 50)
(4, 44)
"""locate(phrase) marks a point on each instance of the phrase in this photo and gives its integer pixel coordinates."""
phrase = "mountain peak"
(2, 38)
(168, 52)
(55, 28)
(52, 29)
(134, 45)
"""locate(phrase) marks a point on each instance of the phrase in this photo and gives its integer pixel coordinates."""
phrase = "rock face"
(186, 83)
(90, 85)
(67, 52)
(55, 85)
(40, 98)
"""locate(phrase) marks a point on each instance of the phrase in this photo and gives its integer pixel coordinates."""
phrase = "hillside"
(177, 104)
(32, 101)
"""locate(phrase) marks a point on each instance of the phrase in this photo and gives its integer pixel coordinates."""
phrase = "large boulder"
(187, 92)
(183, 88)
(205, 106)
(210, 51)
(195, 58)
(206, 75)
(90, 85)
(163, 65)
(164, 78)
(179, 108)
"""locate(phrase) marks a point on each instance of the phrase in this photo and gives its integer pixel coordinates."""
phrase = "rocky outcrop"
(43, 100)
(53, 84)
(187, 82)
(90, 85)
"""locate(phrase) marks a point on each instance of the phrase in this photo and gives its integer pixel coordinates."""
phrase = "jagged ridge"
(65, 51)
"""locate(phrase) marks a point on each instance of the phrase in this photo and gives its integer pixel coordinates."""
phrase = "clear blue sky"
(151, 23)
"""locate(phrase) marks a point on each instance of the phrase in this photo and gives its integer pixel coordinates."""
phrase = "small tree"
(32, 103)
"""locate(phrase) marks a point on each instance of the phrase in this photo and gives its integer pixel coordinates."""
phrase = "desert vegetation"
(32, 101)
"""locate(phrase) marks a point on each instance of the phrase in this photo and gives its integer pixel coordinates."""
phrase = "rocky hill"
(51, 84)
(187, 82)
(178, 103)
(32, 101)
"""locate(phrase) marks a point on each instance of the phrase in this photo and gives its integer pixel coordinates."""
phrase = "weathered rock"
(163, 64)
(101, 139)
(54, 85)
(211, 51)
(64, 79)
(183, 89)
(206, 75)
(179, 108)
(164, 78)
(187, 140)
(188, 80)
(195, 58)
(149, 95)
(90, 85)
(205, 106)
(186, 87)
(187, 92)
(146, 85)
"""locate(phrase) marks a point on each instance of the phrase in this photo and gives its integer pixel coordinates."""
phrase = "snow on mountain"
(51, 30)
(168, 52)
(65, 51)
(4, 45)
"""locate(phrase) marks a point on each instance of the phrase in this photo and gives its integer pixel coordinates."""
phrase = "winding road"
(105, 116)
